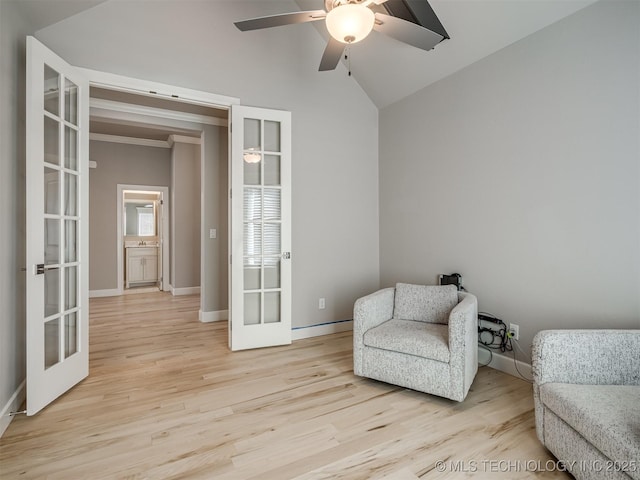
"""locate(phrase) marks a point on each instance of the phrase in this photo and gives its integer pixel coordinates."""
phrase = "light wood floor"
(166, 399)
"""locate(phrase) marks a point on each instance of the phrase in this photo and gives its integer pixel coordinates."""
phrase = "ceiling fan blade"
(331, 55)
(279, 20)
(406, 32)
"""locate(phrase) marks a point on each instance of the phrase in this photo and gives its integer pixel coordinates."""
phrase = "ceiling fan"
(349, 21)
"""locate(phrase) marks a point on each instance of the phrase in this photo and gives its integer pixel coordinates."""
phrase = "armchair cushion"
(413, 338)
(425, 303)
(607, 416)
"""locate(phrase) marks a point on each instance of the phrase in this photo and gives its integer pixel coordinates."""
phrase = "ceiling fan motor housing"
(331, 4)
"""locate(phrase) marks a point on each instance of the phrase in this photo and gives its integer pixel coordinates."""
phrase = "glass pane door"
(260, 228)
(261, 222)
(60, 219)
(57, 233)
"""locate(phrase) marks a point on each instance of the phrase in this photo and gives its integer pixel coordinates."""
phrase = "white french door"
(260, 214)
(57, 178)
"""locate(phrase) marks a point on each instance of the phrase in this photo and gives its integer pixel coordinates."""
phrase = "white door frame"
(164, 237)
(156, 89)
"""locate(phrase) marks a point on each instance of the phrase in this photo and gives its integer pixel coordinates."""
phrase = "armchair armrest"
(369, 312)
(463, 324)
(463, 340)
(589, 357)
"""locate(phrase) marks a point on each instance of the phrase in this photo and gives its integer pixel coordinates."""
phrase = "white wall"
(522, 172)
(13, 28)
(335, 126)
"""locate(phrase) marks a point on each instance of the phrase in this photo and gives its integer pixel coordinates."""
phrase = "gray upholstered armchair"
(586, 392)
(419, 337)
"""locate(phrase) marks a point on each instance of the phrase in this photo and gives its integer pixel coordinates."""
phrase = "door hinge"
(286, 255)
(230, 193)
(161, 202)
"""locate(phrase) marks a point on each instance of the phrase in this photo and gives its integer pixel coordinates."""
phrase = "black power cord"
(496, 338)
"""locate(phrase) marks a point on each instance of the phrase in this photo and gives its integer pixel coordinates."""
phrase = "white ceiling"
(389, 70)
(42, 13)
(386, 69)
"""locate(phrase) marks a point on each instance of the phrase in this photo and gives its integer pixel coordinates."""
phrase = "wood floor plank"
(166, 399)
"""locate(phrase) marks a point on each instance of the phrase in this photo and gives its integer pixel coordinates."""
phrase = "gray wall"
(335, 233)
(117, 164)
(185, 215)
(13, 29)
(522, 173)
(215, 204)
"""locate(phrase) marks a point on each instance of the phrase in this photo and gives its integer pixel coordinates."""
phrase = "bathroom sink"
(134, 244)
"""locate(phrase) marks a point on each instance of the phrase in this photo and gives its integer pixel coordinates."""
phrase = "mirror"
(140, 218)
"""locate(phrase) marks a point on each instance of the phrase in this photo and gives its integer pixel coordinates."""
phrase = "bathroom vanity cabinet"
(142, 265)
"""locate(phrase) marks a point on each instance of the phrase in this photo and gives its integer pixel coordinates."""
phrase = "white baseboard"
(215, 316)
(504, 362)
(12, 406)
(112, 292)
(298, 333)
(185, 291)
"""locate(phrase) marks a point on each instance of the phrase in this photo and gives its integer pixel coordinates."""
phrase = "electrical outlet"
(514, 330)
(321, 304)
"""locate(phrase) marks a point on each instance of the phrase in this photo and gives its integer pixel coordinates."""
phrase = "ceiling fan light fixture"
(350, 23)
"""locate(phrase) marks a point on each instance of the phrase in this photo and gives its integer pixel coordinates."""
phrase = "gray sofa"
(587, 400)
(419, 337)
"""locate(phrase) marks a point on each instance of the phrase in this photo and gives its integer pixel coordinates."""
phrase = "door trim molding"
(122, 83)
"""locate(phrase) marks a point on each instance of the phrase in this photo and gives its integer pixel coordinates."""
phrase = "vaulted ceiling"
(386, 69)
(389, 70)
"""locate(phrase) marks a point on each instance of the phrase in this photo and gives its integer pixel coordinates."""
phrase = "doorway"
(143, 239)
(188, 142)
(69, 156)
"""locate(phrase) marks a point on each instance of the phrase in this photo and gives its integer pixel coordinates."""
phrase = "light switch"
(213, 233)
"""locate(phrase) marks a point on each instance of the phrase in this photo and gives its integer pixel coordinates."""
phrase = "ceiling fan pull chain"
(347, 57)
